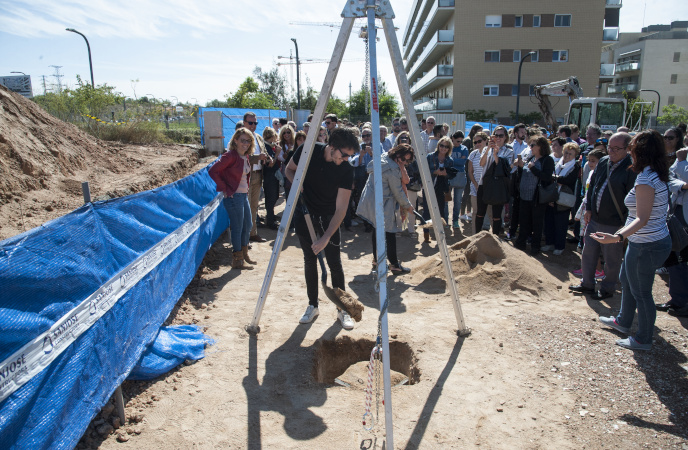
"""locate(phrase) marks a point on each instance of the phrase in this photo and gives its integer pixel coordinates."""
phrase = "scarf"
(564, 169)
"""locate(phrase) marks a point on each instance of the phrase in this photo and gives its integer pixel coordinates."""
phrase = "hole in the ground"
(347, 359)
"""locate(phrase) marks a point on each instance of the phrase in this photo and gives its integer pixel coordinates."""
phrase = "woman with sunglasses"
(394, 201)
(475, 170)
(414, 185)
(322, 135)
(498, 154)
(231, 174)
(439, 162)
(673, 141)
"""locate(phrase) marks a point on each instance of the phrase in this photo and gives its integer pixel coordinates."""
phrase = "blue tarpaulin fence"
(82, 296)
(230, 117)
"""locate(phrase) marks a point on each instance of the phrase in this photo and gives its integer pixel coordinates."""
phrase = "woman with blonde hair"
(441, 167)
(231, 174)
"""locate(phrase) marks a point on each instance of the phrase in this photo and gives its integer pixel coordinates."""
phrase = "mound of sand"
(484, 266)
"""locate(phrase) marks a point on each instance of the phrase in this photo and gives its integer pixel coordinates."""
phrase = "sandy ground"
(538, 370)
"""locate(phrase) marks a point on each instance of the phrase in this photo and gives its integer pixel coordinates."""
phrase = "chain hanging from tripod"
(375, 373)
(367, 72)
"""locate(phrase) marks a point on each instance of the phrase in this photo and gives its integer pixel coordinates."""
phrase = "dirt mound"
(484, 266)
(43, 162)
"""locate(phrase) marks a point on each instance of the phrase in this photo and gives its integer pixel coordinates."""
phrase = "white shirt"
(256, 151)
(519, 147)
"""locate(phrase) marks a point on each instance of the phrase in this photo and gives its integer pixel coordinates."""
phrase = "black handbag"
(679, 236)
(496, 183)
(548, 194)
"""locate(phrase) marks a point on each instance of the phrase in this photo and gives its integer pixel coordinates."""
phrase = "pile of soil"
(43, 162)
(484, 266)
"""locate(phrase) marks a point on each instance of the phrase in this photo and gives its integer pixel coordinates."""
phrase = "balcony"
(629, 66)
(614, 4)
(427, 23)
(435, 104)
(620, 88)
(441, 42)
(610, 35)
(607, 70)
(435, 78)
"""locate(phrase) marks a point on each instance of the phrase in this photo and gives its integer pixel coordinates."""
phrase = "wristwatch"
(621, 237)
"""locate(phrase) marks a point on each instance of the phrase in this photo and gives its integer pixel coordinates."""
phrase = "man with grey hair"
(276, 124)
(386, 144)
(428, 132)
(606, 212)
(306, 127)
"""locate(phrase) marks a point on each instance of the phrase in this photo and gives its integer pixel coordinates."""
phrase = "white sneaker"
(310, 314)
(346, 320)
(558, 252)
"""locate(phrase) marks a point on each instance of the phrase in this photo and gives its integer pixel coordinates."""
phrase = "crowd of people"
(535, 190)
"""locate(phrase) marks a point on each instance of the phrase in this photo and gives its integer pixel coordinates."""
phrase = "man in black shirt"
(326, 193)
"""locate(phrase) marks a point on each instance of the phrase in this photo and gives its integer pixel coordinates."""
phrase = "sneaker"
(547, 248)
(612, 323)
(355, 223)
(466, 217)
(578, 272)
(346, 320)
(456, 224)
(310, 314)
(632, 344)
(661, 271)
(557, 252)
(599, 275)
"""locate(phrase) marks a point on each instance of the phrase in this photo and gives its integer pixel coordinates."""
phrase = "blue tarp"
(230, 117)
(145, 248)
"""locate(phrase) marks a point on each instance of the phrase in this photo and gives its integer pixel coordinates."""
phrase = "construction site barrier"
(230, 117)
(82, 296)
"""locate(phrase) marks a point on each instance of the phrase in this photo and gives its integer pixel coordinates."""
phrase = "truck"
(608, 113)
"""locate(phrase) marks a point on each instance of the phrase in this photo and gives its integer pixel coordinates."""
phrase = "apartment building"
(652, 64)
(462, 55)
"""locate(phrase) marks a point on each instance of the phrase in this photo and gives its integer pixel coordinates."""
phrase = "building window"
(536, 21)
(492, 56)
(671, 99)
(490, 90)
(493, 21)
(535, 57)
(560, 56)
(518, 22)
(562, 20)
(677, 56)
(517, 55)
(674, 78)
(514, 90)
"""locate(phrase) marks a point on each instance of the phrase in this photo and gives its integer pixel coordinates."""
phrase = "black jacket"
(622, 181)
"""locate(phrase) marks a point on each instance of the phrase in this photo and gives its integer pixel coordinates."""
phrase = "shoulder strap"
(611, 191)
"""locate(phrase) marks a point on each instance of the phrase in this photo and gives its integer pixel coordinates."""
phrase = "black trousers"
(271, 189)
(391, 240)
(310, 259)
(532, 221)
(482, 210)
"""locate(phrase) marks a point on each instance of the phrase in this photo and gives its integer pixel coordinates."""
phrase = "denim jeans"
(637, 276)
(240, 222)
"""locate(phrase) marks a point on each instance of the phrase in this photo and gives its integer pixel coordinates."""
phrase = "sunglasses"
(445, 146)
(251, 123)
(328, 123)
(669, 138)
(287, 132)
(478, 141)
(501, 136)
(345, 156)
(245, 141)
(602, 141)
(367, 135)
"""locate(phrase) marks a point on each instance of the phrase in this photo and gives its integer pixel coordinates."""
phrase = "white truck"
(608, 113)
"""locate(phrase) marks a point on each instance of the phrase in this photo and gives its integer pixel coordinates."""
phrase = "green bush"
(184, 135)
(143, 132)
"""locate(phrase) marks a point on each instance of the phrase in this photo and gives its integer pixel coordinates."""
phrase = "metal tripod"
(369, 9)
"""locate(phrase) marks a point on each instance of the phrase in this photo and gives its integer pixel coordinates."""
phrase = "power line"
(58, 78)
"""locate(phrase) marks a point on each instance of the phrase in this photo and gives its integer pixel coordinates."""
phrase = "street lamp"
(518, 86)
(298, 84)
(19, 72)
(176, 99)
(88, 46)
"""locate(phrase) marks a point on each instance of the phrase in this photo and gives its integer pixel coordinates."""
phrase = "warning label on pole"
(374, 92)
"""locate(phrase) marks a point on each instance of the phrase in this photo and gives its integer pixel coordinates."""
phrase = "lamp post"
(88, 46)
(18, 72)
(518, 85)
(298, 84)
(659, 98)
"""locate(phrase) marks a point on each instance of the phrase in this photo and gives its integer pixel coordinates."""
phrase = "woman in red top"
(231, 174)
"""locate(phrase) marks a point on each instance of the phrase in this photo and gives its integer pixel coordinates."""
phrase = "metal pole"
(298, 84)
(518, 85)
(659, 98)
(380, 225)
(86, 191)
(88, 46)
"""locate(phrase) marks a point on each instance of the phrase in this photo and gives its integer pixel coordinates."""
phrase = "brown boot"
(244, 251)
(238, 261)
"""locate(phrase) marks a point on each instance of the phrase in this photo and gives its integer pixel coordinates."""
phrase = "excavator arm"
(564, 88)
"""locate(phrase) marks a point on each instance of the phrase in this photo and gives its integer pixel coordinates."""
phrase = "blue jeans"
(240, 222)
(637, 276)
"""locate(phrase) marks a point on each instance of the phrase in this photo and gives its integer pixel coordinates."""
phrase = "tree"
(248, 96)
(673, 115)
(387, 103)
(84, 100)
(273, 85)
(479, 115)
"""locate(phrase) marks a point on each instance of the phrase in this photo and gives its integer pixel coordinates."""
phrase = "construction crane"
(311, 60)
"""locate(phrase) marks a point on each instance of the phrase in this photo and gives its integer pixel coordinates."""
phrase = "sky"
(199, 51)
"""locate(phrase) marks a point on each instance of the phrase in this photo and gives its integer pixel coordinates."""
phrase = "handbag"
(679, 236)
(566, 199)
(448, 196)
(547, 194)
